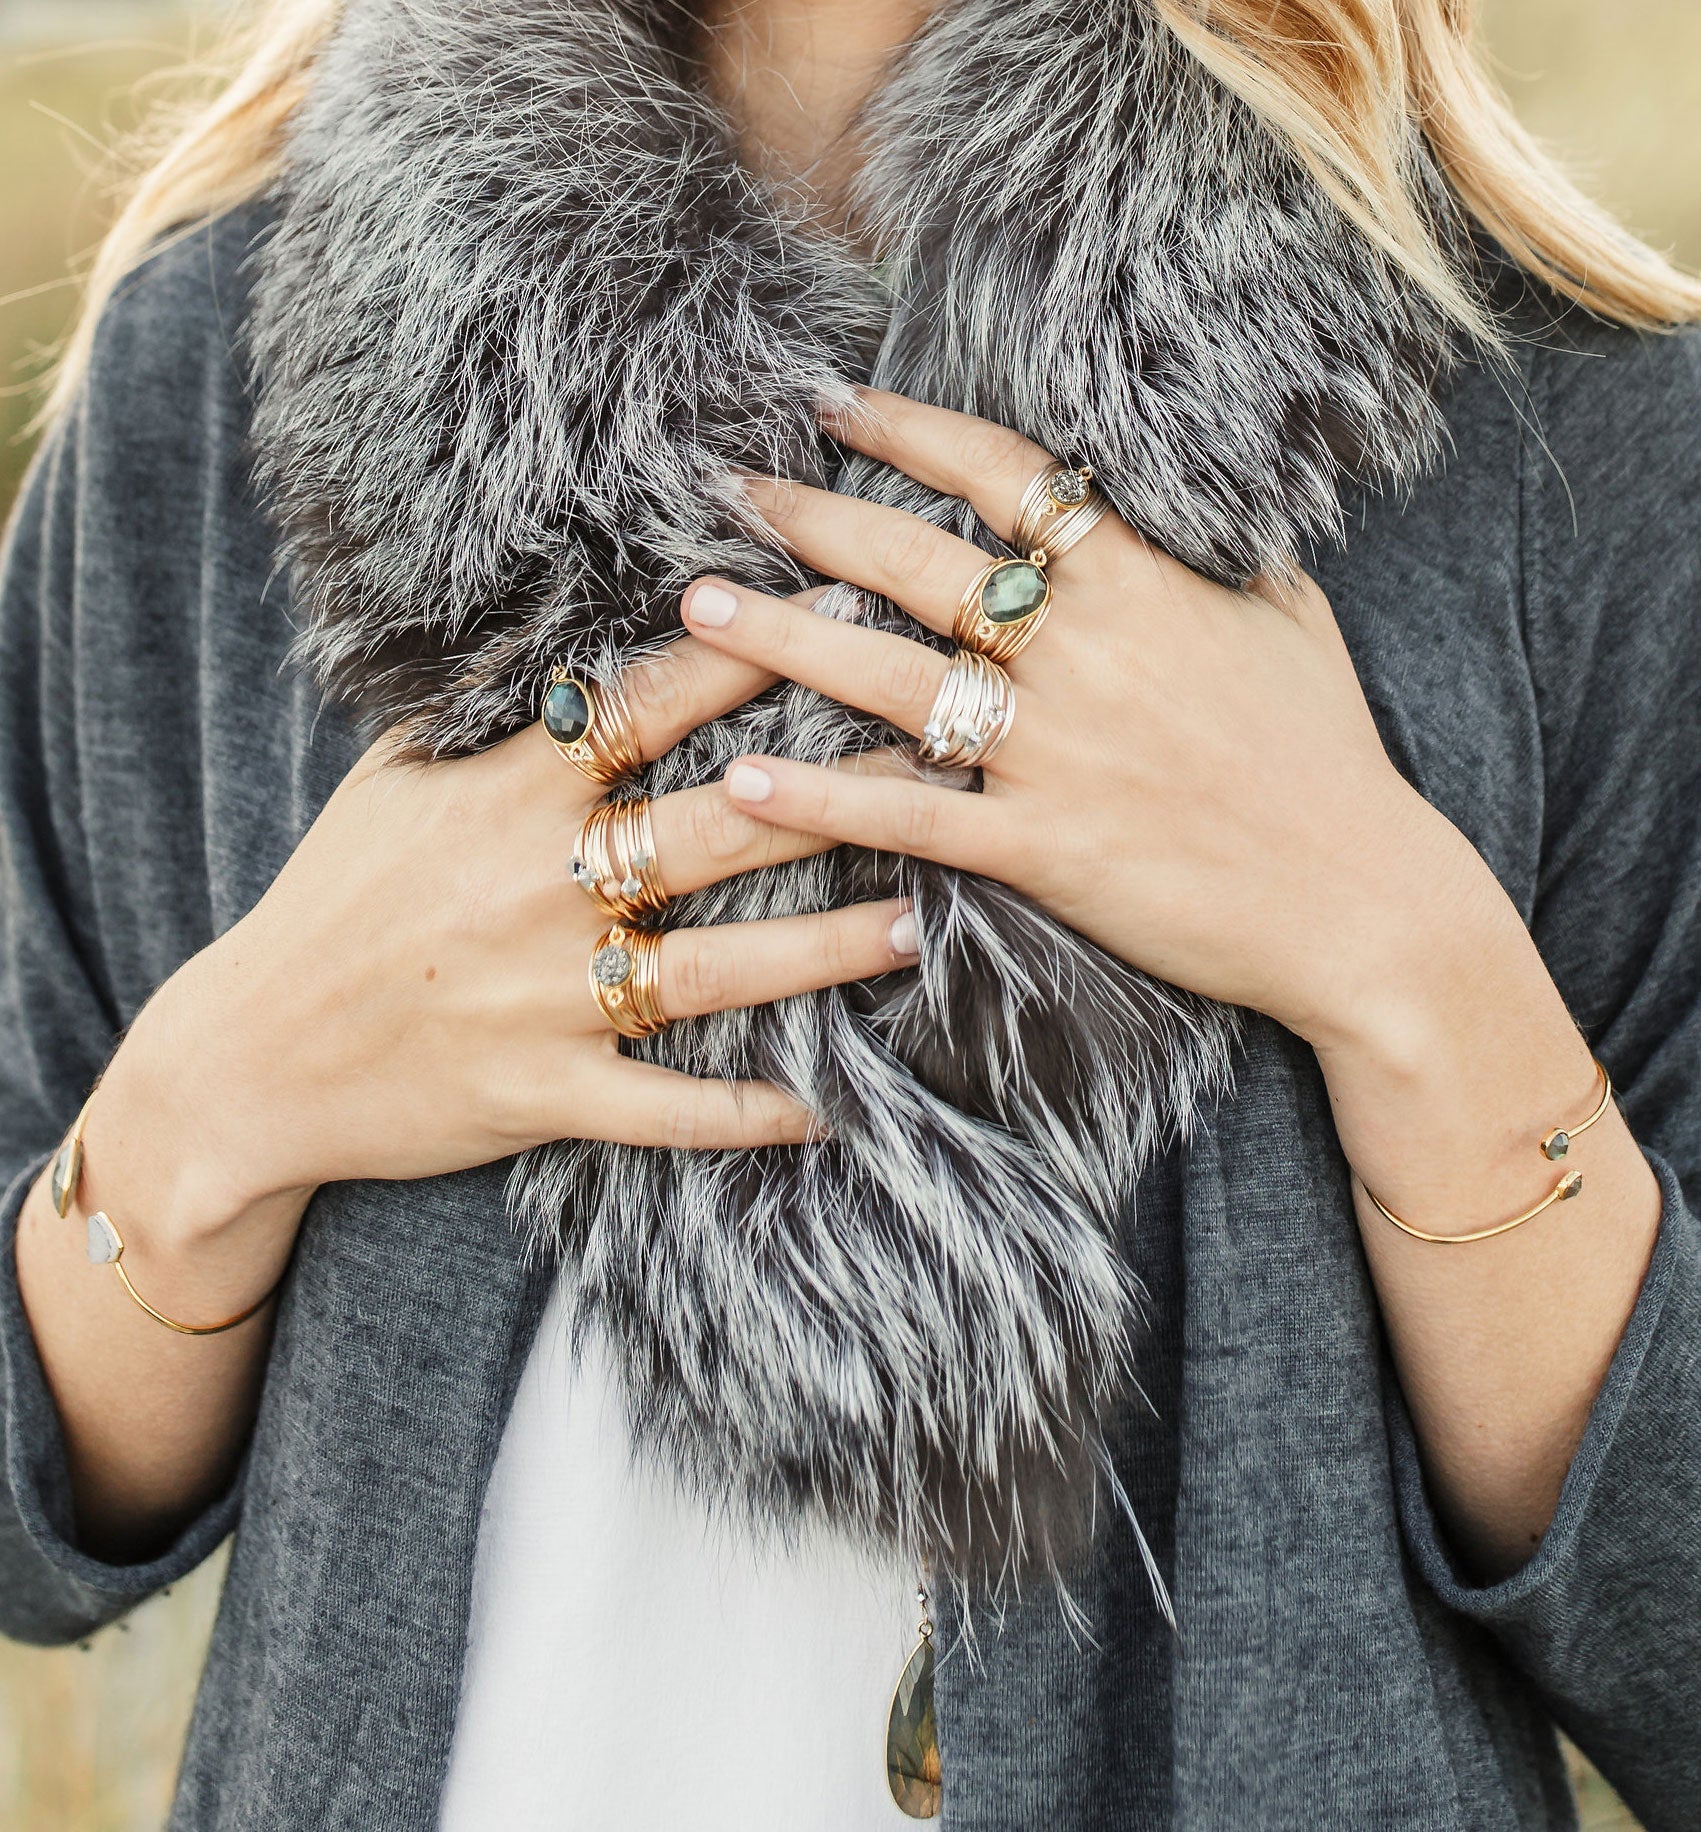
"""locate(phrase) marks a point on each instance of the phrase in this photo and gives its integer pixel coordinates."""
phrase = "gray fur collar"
(520, 307)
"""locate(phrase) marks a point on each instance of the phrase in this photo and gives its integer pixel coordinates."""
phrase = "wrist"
(183, 1111)
(1446, 1039)
(1423, 936)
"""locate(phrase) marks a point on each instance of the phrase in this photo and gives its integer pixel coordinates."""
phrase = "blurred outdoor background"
(89, 1737)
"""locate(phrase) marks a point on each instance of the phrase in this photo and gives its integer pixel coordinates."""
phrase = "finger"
(958, 454)
(884, 814)
(738, 964)
(888, 675)
(685, 685)
(702, 837)
(662, 1107)
(887, 550)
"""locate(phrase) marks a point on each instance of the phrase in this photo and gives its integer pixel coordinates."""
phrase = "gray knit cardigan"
(1528, 629)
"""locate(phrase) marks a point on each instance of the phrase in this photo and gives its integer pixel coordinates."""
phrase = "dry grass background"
(89, 1737)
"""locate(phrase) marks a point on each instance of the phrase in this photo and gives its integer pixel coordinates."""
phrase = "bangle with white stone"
(106, 1244)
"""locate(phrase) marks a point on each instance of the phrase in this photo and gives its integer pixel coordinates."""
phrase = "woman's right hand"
(411, 997)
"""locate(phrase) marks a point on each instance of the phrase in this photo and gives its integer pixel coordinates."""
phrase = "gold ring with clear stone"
(625, 974)
(590, 724)
(1003, 607)
(614, 860)
(971, 714)
(1059, 508)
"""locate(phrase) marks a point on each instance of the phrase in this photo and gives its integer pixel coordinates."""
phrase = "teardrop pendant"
(912, 1737)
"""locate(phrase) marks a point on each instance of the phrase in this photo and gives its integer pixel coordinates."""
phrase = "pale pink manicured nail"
(904, 936)
(714, 606)
(744, 782)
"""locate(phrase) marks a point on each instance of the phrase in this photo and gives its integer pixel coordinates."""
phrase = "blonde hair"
(1346, 82)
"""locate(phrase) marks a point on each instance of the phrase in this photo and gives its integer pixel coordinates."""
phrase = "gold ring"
(1003, 608)
(972, 713)
(1058, 510)
(590, 724)
(625, 980)
(614, 861)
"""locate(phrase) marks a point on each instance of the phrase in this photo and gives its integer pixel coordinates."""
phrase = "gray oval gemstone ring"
(1003, 608)
(590, 724)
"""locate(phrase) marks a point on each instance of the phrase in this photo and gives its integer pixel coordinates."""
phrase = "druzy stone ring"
(614, 862)
(590, 724)
(1058, 510)
(1003, 608)
(626, 977)
(971, 714)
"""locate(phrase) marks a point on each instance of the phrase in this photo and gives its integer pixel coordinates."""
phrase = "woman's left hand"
(1193, 778)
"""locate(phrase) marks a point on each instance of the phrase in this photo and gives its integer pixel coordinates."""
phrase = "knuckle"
(518, 1109)
(702, 979)
(905, 674)
(848, 944)
(783, 498)
(785, 634)
(718, 830)
(915, 823)
(906, 550)
(680, 1123)
(817, 807)
(983, 449)
(662, 693)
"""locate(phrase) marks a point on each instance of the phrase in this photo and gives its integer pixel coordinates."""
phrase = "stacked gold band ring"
(614, 862)
(1059, 509)
(626, 980)
(971, 715)
(1003, 608)
(590, 724)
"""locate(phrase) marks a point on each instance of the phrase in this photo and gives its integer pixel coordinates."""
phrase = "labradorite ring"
(1003, 608)
(590, 724)
(1058, 510)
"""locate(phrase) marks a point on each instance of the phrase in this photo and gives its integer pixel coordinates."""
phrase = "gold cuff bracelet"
(106, 1244)
(1553, 1145)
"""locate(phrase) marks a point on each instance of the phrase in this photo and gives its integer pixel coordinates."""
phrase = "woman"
(1173, 1202)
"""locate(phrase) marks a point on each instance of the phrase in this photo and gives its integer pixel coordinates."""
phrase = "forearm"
(154, 1422)
(1445, 1069)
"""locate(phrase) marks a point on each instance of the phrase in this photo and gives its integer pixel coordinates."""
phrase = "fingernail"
(711, 605)
(744, 782)
(904, 936)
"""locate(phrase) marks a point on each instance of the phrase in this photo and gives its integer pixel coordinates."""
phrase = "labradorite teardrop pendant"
(912, 1738)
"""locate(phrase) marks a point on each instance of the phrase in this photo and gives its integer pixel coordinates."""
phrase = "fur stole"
(521, 308)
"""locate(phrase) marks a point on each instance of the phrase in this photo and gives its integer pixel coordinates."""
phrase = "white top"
(631, 1666)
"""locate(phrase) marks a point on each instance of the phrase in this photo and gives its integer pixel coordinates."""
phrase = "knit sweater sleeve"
(101, 489)
(1605, 1616)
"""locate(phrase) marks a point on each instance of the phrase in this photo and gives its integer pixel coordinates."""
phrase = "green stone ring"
(1003, 608)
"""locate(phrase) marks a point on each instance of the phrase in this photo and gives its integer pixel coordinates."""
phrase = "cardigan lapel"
(417, 1299)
